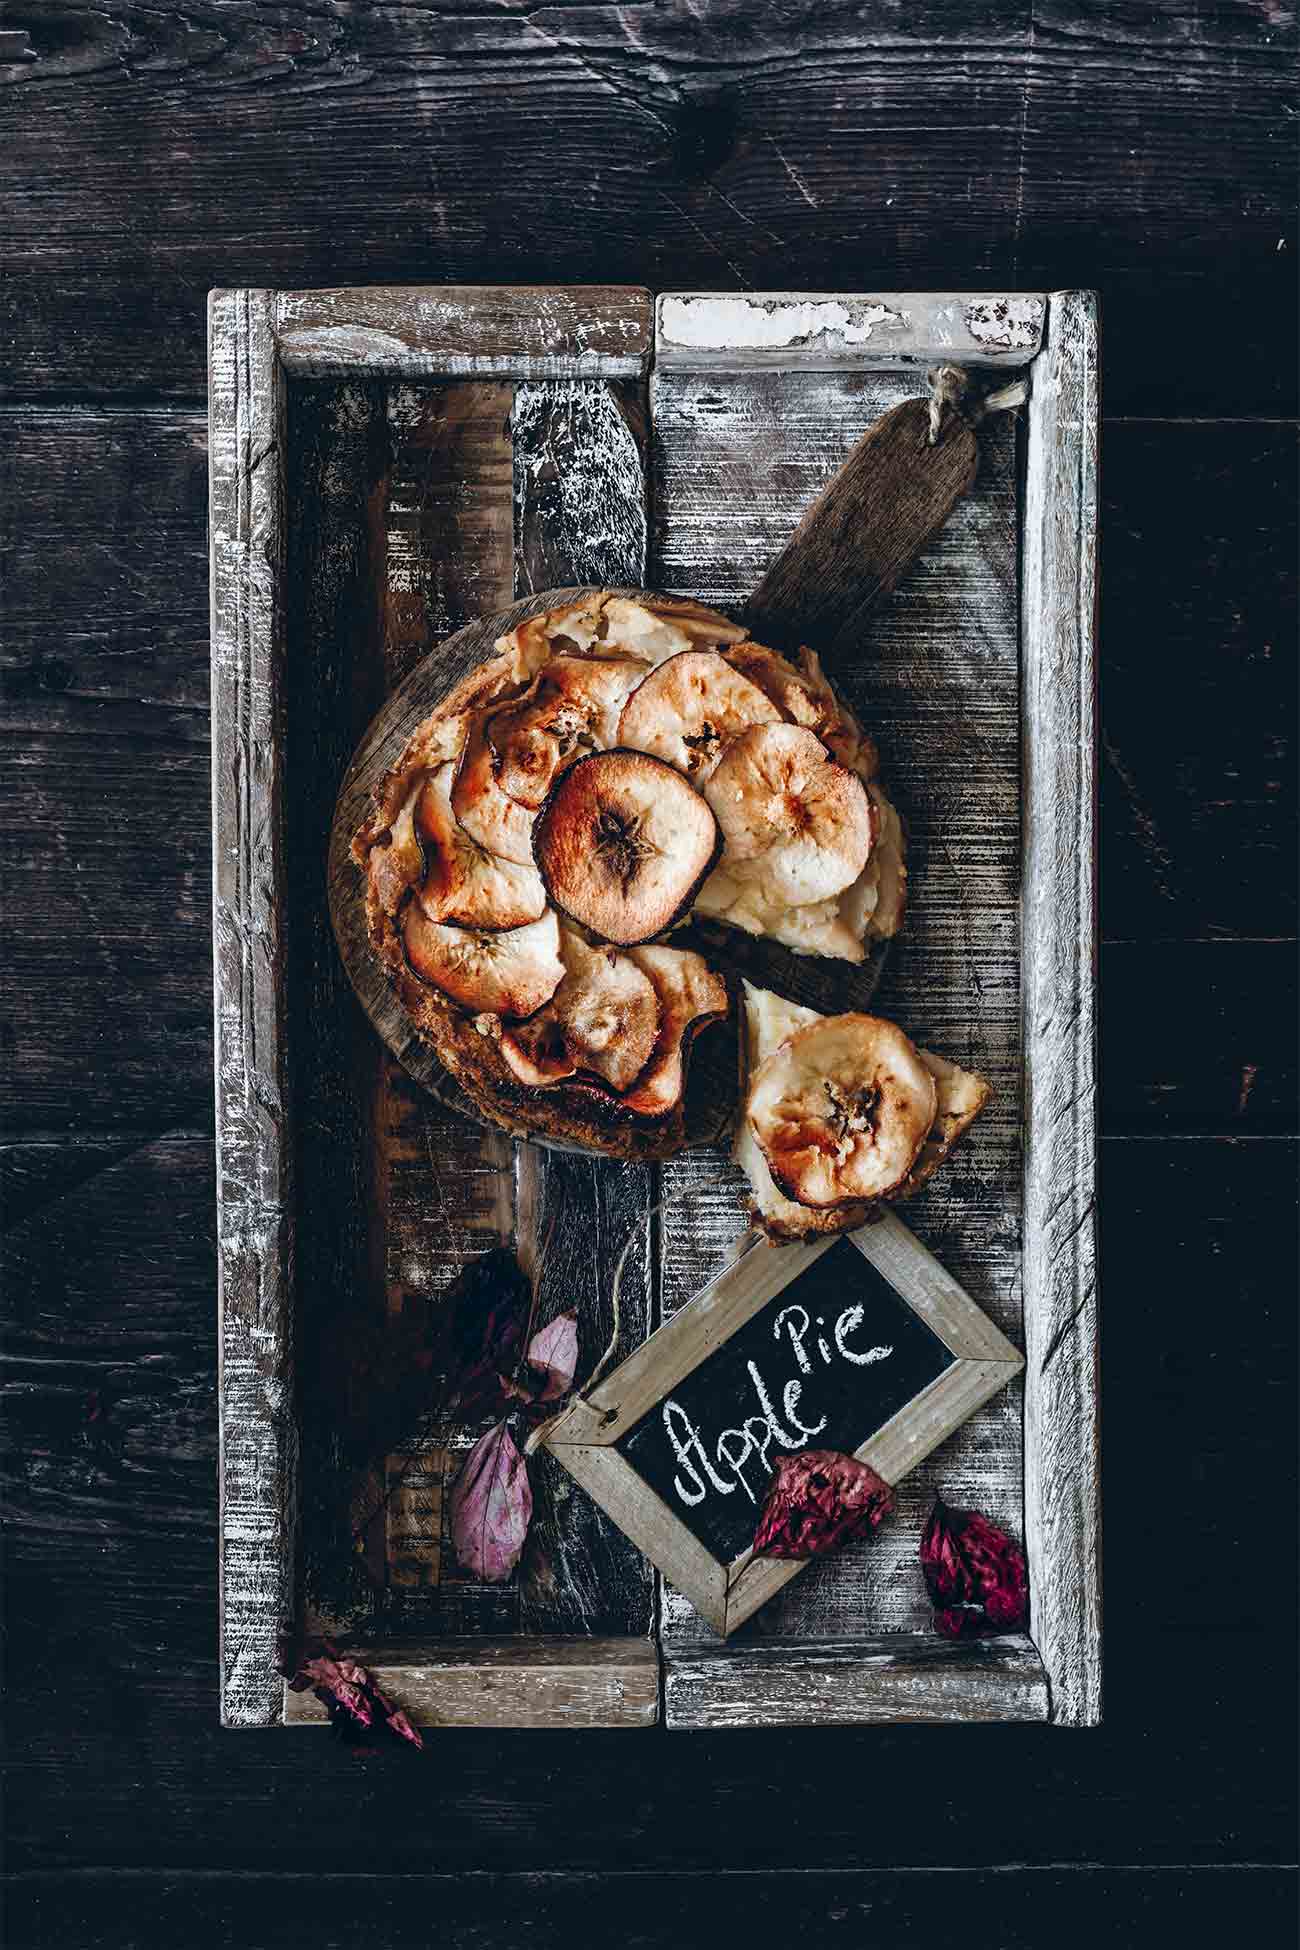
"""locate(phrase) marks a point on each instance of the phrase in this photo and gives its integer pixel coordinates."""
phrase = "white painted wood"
(894, 1679)
(698, 330)
(504, 1683)
(257, 1466)
(1062, 1463)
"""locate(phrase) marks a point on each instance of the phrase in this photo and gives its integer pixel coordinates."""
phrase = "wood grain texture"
(1200, 1038)
(415, 332)
(1149, 154)
(579, 486)
(495, 1684)
(890, 1680)
(258, 1461)
(1062, 1469)
(937, 682)
(1200, 696)
(108, 1910)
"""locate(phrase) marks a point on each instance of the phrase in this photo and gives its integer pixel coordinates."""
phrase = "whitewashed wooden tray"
(385, 466)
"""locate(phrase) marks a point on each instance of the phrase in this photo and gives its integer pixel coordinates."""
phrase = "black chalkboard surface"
(823, 1365)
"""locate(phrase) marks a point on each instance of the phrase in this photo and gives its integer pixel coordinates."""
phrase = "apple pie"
(620, 767)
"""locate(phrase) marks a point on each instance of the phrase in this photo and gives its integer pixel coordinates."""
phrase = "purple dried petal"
(553, 1356)
(491, 1507)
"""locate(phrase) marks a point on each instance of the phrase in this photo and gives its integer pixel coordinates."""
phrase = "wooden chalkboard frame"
(726, 1593)
(539, 337)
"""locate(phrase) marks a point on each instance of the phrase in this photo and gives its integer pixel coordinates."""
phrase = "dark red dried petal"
(967, 1559)
(818, 1500)
(962, 1622)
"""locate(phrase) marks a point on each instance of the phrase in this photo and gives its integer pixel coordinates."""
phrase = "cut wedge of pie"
(622, 765)
(840, 1113)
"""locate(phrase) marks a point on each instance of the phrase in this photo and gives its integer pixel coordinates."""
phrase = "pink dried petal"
(491, 1507)
(818, 1500)
(350, 1693)
(553, 1356)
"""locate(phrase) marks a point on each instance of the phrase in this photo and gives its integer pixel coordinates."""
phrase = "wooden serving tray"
(386, 466)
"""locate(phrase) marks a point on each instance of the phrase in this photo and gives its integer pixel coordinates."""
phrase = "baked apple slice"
(623, 843)
(784, 805)
(689, 709)
(803, 696)
(690, 996)
(604, 1019)
(504, 972)
(464, 884)
(597, 687)
(500, 824)
(841, 1109)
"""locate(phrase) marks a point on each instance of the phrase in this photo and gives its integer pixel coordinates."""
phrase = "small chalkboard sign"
(860, 1343)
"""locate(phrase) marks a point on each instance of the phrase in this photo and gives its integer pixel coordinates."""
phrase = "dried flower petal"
(491, 1507)
(971, 1562)
(962, 1622)
(355, 1702)
(553, 1355)
(818, 1500)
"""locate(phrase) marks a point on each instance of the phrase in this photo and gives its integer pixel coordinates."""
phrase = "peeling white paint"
(717, 322)
(1005, 324)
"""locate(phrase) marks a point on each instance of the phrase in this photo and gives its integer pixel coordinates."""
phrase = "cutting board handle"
(892, 495)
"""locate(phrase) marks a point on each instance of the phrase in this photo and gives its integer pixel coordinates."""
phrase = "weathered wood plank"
(255, 1230)
(1062, 1430)
(1199, 681)
(689, 1906)
(336, 462)
(737, 459)
(580, 502)
(1117, 106)
(1200, 1037)
(890, 1680)
(580, 486)
(418, 332)
(698, 330)
(495, 1684)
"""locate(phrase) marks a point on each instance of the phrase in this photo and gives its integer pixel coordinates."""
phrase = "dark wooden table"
(151, 151)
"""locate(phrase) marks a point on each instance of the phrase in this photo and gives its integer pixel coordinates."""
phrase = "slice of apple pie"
(840, 1113)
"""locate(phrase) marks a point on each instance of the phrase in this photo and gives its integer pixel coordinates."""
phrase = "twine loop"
(950, 386)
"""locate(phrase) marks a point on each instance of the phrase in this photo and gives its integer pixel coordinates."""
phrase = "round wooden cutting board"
(814, 980)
